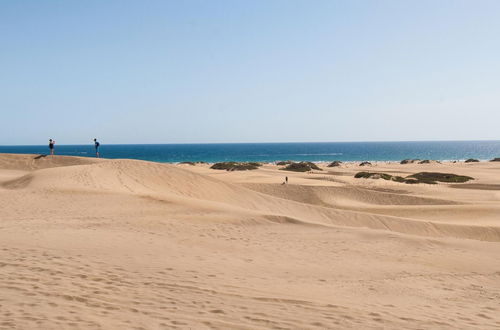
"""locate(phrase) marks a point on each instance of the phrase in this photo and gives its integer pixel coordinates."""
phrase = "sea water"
(270, 152)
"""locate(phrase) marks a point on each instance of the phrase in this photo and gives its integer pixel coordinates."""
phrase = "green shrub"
(235, 166)
(409, 161)
(412, 181)
(374, 175)
(364, 175)
(314, 166)
(432, 177)
(398, 179)
(335, 163)
(422, 177)
(301, 167)
(255, 164)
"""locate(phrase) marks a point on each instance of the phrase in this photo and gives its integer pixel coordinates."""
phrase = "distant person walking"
(96, 145)
(51, 146)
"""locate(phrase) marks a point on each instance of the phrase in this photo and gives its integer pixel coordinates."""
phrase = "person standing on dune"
(51, 146)
(96, 145)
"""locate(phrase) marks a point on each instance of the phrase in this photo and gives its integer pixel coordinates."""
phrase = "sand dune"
(298, 203)
(88, 243)
(35, 162)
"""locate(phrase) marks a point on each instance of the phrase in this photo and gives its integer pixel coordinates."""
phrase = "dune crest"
(35, 162)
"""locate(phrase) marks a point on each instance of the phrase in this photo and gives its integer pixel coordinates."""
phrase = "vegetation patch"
(235, 166)
(284, 162)
(413, 181)
(399, 179)
(495, 160)
(374, 175)
(301, 167)
(433, 177)
(422, 177)
(409, 161)
(428, 161)
(255, 164)
(368, 175)
(365, 164)
(193, 163)
(472, 160)
(335, 163)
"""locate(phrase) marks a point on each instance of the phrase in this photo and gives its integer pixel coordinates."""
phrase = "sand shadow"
(478, 186)
(40, 156)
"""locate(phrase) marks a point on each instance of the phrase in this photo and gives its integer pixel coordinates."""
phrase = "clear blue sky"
(248, 71)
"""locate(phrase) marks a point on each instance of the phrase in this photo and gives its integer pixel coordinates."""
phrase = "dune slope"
(329, 205)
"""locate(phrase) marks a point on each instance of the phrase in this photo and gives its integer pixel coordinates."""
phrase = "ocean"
(270, 152)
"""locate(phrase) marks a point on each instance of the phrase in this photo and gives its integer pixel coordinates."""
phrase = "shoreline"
(444, 161)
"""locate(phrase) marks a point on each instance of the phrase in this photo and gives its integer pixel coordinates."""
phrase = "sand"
(127, 244)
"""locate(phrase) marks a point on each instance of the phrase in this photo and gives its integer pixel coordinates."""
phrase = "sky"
(248, 71)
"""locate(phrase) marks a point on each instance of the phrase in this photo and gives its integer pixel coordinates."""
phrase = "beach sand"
(126, 244)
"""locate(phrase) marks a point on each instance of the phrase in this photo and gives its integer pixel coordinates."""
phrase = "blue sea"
(270, 152)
